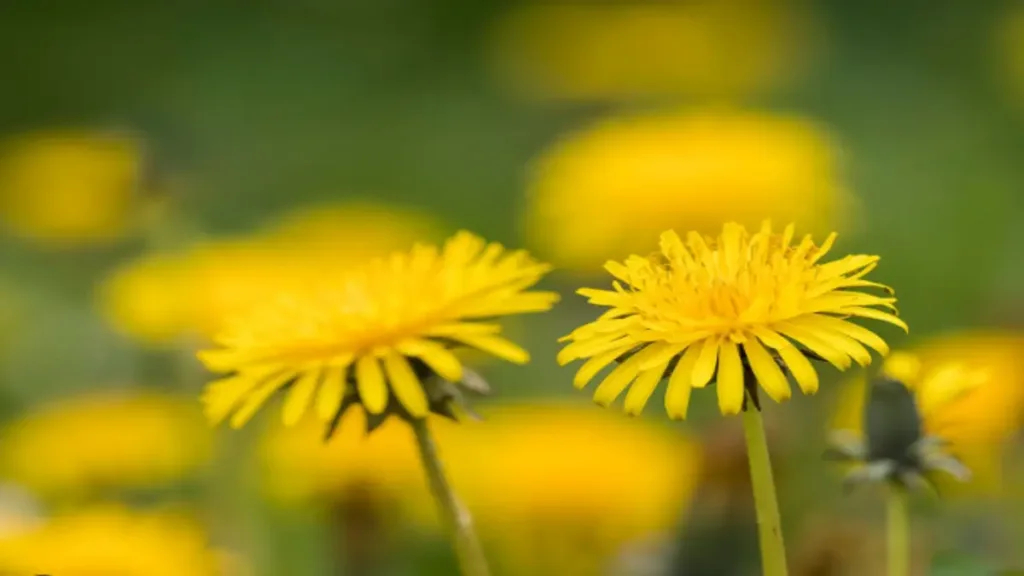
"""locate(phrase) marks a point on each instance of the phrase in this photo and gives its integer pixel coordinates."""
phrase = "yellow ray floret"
(379, 329)
(708, 309)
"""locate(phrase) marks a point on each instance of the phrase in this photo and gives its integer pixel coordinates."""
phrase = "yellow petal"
(659, 354)
(874, 315)
(801, 368)
(300, 395)
(495, 345)
(258, 397)
(641, 390)
(766, 370)
(455, 328)
(222, 396)
(591, 367)
(373, 391)
(332, 391)
(840, 342)
(704, 368)
(850, 329)
(677, 395)
(590, 347)
(440, 359)
(814, 344)
(407, 388)
(730, 378)
(617, 381)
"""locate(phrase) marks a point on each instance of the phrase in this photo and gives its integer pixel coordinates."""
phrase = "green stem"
(769, 528)
(456, 518)
(898, 531)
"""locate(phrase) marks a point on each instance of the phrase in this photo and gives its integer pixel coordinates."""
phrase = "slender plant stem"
(456, 518)
(898, 531)
(769, 528)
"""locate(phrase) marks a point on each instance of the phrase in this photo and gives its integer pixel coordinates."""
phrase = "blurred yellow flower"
(1009, 51)
(608, 50)
(739, 310)
(377, 335)
(162, 297)
(969, 388)
(112, 540)
(610, 190)
(69, 188)
(561, 488)
(300, 468)
(554, 488)
(104, 441)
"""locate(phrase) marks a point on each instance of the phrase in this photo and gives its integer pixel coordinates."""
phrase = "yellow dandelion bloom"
(80, 446)
(113, 540)
(714, 309)
(561, 488)
(608, 191)
(162, 297)
(67, 188)
(376, 333)
(967, 387)
(610, 50)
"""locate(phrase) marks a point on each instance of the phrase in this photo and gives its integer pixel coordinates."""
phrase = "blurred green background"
(248, 110)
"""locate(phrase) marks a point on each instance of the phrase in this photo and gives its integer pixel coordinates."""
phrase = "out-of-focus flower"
(552, 487)
(1009, 51)
(607, 50)
(299, 468)
(380, 335)
(112, 540)
(967, 388)
(163, 297)
(104, 442)
(609, 191)
(894, 443)
(740, 310)
(70, 188)
(19, 512)
(560, 489)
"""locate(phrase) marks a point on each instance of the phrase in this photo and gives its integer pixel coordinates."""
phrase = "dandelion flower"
(964, 400)
(740, 310)
(163, 297)
(168, 442)
(113, 540)
(67, 187)
(609, 190)
(381, 335)
(611, 51)
(299, 470)
(549, 487)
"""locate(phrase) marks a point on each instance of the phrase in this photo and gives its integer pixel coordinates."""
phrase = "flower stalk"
(769, 526)
(898, 531)
(455, 517)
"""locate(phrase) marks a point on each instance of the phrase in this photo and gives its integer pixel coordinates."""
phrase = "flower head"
(67, 187)
(619, 50)
(739, 309)
(167, 442)
(609, 190)
(113, 540)
(560, 488)
(950, 405)
(381, 335)
(162, 297)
